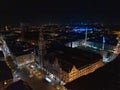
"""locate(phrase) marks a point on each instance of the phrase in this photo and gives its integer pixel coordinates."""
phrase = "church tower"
(42, 48)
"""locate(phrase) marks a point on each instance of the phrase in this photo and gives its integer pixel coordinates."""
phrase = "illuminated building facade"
(76, 73)
(69, 64)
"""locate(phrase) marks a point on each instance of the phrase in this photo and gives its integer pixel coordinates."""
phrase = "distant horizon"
(58, 22)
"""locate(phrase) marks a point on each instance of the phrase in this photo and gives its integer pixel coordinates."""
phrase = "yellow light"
(5, 83)
(116, 32)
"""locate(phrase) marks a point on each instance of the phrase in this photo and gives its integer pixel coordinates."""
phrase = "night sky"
(66, 11)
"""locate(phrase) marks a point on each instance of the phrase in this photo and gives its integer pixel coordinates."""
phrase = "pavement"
(37, 82)
(34, 76)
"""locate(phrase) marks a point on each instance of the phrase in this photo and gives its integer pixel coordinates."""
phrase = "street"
(29, 73)
(35, 82)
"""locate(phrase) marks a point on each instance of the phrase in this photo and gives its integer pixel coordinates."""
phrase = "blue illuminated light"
(81, 29)
(103, 39)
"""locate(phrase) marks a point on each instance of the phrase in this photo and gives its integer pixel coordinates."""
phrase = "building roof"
(20, 53)
(67, 57)
(5, 71)
(104, 78)
(19, 85)
(1, 54)
(19, 48)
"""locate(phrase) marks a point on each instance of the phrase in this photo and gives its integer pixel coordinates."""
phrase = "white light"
(5, 83)
(51, 76)
(46, 78)
(32, 66)
(105, 60)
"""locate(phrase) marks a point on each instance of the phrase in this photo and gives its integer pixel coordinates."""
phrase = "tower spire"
(103, 45)
(42, 50)
(85, 37)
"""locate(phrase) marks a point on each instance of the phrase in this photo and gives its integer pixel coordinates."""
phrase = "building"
(23, 53)
(104, 78)
(69, 64)
(25, 58)
(42, 48)
(19, 85)
(5, 75)
(1, 56)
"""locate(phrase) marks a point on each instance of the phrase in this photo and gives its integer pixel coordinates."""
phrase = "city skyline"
(58, 57)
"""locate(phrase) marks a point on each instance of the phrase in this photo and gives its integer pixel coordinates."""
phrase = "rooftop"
(19, 48)
(67, 57)
(19, 85)
(1, 54)
(5, 71)
(105, 78)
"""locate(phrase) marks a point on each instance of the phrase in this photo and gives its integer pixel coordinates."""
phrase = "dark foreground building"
(19, 85)
(69, 64)
(5, 75)
(105, 78)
